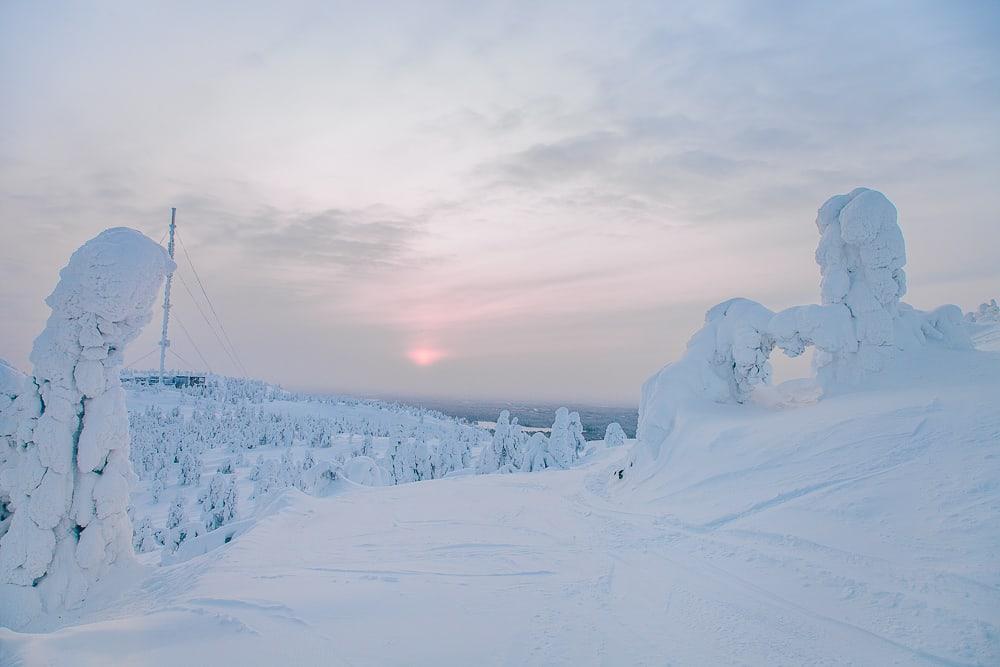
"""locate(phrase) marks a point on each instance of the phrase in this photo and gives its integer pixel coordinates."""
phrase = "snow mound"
(722, 363)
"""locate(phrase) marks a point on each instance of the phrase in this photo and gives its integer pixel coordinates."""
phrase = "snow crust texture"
(69, 475)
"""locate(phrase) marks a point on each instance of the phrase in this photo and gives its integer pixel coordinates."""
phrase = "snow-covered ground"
(860, 529)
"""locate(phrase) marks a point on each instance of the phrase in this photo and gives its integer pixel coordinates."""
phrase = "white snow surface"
(860, 529)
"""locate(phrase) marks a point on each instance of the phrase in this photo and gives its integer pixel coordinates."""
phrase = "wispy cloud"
(525, 184)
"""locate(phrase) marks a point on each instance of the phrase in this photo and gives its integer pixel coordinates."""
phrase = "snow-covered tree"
(175, 516)
(156, 490)
(861, 255)
(503, 454)
(423, 462)
(576, 433)
(176, 536)
(143, 539)
(266, 478)
(987, 313)
(723, 362)
(856, 329)
(562, 444)
(367, 446)
(288, 471)
(614, 435)
(537, 454)
(451, 454)
(70, 482)
(403, 461)
(190, 471)
(218, 502)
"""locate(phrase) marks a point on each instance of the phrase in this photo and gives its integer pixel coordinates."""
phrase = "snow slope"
(863, 528)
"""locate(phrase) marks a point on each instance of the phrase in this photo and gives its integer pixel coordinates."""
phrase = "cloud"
(500, 177)
(360, 242)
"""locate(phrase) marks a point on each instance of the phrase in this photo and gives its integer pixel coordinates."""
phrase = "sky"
(534, 201)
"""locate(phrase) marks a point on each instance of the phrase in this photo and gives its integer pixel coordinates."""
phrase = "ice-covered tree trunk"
(70, 482)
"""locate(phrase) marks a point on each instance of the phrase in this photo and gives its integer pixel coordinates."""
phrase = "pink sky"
(489, 200)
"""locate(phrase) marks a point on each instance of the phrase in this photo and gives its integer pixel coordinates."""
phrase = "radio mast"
(164, 341)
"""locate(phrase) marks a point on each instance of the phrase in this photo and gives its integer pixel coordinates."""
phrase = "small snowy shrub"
(175, 516)
(218, 502)
(143, 539)
(614, 435)
(190, 472)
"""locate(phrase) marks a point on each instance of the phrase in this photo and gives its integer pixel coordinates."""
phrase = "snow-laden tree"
(190, 467)
(367, 446)
(537, 454)
(723, 362)
(614, 435)
(289, 473)
(402, 461)
(562, 442)
(861, 255)
(156, 490)
(265, 476)
(987, 313)
(175, 516)
(218, 502)
(503, 453)
(143, 539)
(308, 463)
(451, 454)
(177, 528)
(70, 482)
(423, 461)
(856, 329)
(512, 449)
(576, 434)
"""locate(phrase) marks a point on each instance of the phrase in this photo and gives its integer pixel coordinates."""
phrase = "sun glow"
(425, 356)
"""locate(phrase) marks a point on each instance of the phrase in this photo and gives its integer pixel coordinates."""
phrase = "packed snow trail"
(862, 529)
